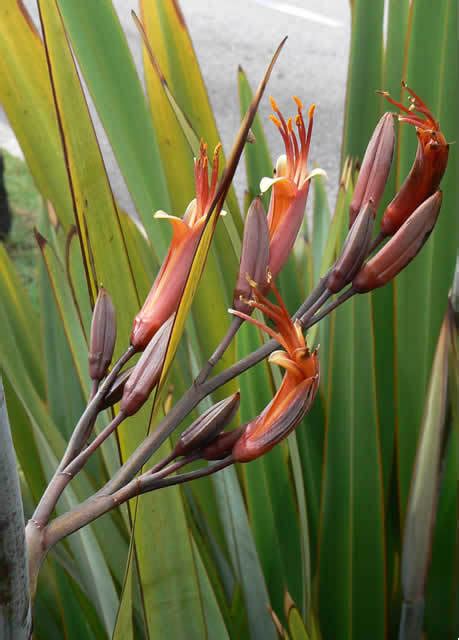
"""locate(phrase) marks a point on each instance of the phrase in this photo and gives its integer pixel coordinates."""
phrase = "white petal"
(267, 183)
(316, 172)
(162, 215)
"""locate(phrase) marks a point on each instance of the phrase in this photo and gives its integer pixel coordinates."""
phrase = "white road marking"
(8, 141)
(299, 12)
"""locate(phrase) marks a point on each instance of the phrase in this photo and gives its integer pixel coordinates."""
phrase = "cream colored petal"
(288, 186)
(316, 172)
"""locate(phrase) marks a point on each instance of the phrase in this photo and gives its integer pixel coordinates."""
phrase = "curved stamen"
(285, 134)
(416, 105)
(277, 336)
(296, 149)
(419, 104)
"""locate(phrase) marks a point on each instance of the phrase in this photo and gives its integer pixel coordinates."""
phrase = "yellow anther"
(203, 149)
(276, 121)
(312, 108)
(298, 102)
(289, 125)
(217, 150)
(273, 104)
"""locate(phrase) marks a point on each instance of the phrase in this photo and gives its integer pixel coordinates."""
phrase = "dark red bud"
(401, 248)
(147, 371)
(355, 249)
(375, 168)
(103, 336)
(254, 256)
(206, 428)
(222, 445)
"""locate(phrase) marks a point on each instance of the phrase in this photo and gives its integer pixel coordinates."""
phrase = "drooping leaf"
(103, 55)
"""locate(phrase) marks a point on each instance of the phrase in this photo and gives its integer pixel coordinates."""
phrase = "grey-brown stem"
(77, 441)
(98, 505)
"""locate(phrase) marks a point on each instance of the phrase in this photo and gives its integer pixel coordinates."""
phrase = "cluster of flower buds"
(103, 336)
(297, 391)
(164, 296)
(411, 215)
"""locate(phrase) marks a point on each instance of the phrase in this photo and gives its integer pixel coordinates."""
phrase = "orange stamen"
(416, 105)
(260, 325)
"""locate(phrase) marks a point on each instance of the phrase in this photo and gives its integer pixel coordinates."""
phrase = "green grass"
(25, 203)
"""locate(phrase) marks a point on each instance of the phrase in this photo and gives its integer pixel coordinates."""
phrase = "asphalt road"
(227, 33)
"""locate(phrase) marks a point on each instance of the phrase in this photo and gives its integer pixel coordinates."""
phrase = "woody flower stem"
(219, 351)
(111, 493)
(98, 505)
(36, 528)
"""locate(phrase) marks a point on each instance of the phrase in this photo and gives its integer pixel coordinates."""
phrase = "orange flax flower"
(164, 296)
(428, 167)
(291, 184)
(298, 388)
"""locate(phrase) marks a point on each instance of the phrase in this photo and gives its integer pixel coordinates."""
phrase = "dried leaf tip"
(103, 335)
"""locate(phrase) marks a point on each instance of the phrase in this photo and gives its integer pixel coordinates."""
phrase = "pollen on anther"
(276, 121)
(312, 108)
(273, 104)
(298, 102)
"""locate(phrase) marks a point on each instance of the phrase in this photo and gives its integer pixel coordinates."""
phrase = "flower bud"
(223, 445)
(355, 249)
(375, 167)
(207, 427)
(255, 442)
(401, 248)
(254, 256)
(103, 336)
(147, 371)
(115, 393)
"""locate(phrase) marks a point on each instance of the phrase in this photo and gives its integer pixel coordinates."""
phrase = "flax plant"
(183, 476)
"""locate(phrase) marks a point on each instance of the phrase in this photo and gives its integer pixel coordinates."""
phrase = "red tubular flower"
(298, 388)
(428, 167)
(164, 296)
(290, 186)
